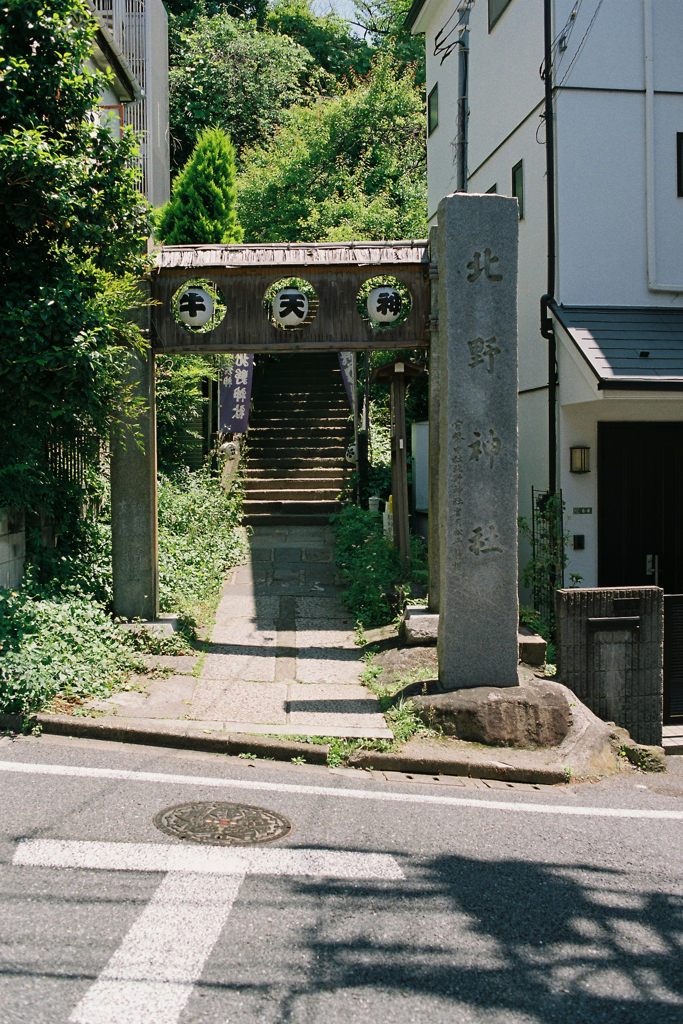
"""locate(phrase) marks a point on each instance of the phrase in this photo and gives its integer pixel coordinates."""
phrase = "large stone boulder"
(531, 715)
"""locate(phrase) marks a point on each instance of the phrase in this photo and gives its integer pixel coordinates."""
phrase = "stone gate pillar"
(477, 492)
(434, 562)
(134, 504)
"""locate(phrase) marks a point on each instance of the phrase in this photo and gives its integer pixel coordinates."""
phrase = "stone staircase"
(297, 439)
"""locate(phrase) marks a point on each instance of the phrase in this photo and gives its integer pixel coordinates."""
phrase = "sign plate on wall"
(583, 510)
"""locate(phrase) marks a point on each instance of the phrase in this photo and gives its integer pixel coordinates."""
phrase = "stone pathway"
(281, 657)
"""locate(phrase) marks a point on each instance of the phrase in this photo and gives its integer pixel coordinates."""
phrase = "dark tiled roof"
(637, 348)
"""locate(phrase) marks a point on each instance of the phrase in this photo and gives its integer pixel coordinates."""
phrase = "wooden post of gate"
(396, 374)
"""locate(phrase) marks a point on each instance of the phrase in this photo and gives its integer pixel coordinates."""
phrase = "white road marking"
(214, 860)
(151, 975)
(209, 782)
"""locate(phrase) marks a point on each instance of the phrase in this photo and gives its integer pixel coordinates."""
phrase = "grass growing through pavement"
(401, 718)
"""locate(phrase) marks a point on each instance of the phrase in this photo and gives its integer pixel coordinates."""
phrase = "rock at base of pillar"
(530, 715)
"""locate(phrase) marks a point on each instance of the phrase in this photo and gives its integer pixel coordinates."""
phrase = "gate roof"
(299, 254)
(335, 270)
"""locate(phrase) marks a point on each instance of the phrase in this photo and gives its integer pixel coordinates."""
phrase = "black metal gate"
(545, 574)
(673, 657)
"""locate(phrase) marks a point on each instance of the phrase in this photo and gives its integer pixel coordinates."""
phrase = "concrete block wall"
(12, 548)
(616, 671)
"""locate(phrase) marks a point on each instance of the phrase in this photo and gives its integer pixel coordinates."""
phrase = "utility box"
(610, 653)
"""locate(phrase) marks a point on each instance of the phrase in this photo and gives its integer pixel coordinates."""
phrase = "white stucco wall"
(601, 199)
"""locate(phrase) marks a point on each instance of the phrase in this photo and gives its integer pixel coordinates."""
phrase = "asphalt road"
(387, 902)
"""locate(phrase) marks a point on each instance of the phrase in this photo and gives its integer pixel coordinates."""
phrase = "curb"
(278, 749)
(471, 769)
(179, 736)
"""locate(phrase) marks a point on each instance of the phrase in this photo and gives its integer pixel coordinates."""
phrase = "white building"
(618, 201)
(138, 30)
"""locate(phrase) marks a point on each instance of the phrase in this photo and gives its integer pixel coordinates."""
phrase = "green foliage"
(351, 167)
(67, 646)
(543, 572)
(226, 73)
(201, 210)
(56, 636)
(187, 11)
(199, 538)
(179, 405)
(382, 21)
(375, 585)
(327, 37)
(72, 230)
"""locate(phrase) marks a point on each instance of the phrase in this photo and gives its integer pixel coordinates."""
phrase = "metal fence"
(548, 553)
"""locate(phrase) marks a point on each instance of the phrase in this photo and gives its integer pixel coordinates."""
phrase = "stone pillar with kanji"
(477, 499)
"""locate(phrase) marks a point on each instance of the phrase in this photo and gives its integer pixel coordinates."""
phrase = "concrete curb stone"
(165, 736)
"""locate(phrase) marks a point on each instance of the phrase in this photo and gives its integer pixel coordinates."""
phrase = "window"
(496, 8)
(433, 110)
(518, 186)
(679, 164)
(493, 190)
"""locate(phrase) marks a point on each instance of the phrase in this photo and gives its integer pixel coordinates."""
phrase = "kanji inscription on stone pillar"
(477, 340)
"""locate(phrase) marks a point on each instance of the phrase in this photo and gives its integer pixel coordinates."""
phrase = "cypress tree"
(201, 210)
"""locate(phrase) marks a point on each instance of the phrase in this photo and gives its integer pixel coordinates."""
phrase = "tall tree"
(229, 74)
(201, 210)
(382, 22)
(327, 37)
(350, 167)
(72, 230)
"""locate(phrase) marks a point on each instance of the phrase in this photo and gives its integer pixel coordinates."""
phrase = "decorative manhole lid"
(222, 824)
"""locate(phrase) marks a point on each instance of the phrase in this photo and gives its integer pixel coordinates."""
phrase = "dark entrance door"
(640, 525)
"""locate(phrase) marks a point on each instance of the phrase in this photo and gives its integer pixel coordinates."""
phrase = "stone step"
(300, 420)
(287, 519)
(288, 464)
(295, 428)
(310, 469)
(291, 507)
(297, 449)
(293, 494)
(293, 481)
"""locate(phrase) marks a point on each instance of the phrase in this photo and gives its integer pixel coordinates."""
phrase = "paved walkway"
(281, 657)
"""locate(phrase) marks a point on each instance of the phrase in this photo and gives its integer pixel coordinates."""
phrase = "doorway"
(640, 527)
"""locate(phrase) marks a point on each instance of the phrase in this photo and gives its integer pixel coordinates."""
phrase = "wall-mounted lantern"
(579, 460)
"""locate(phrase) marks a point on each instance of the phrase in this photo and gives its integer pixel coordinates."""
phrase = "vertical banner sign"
(346, 367)
(234, 394)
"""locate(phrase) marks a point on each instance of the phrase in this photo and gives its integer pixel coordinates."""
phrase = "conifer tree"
(201, 210)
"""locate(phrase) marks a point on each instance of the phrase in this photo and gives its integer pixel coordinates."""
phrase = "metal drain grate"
(222, 824)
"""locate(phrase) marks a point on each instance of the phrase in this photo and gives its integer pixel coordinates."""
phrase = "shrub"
(198, 537)
(63, 645)
(201, 210)
(376, 585)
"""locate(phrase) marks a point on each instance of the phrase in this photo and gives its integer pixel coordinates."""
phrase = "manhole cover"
(222, 824)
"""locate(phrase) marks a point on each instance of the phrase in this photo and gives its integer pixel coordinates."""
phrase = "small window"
(518, 186)
(433, 110)
(496, 8)
(679, 164)
(493, 190)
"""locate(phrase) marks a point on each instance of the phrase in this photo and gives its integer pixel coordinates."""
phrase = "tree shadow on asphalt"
(512, 940)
